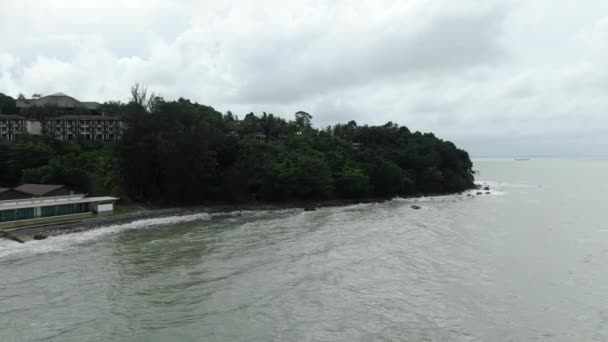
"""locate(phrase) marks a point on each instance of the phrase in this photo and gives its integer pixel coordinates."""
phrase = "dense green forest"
(179, 152)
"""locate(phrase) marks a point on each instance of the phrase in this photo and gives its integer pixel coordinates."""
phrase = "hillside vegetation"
(179, 152)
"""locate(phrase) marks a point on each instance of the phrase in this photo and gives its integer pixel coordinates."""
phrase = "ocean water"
(527, 263)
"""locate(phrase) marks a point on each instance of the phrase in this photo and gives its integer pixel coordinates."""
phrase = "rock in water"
(488, 193)
(416, 207)
(480, 193)
(40, 236)
(310, 208)
(486, 188)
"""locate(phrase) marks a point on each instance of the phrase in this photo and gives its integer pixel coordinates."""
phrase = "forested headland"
(184, 153)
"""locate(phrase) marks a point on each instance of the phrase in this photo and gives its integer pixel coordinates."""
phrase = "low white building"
(33, 210)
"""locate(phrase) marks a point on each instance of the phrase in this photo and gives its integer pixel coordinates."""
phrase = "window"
(24, 214)
(48, 211)
(7, 215)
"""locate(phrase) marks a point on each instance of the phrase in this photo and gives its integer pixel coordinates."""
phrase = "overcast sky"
(508, 78)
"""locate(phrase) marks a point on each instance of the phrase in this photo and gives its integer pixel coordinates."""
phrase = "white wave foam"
(255, 213)
(358, 206)
(493, 192)
(63, 242)
(450, 198)
(500, 184)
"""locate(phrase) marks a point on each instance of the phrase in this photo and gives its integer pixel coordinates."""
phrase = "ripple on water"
(460, 270)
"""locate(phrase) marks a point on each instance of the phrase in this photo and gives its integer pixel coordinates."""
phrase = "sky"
(497, 78)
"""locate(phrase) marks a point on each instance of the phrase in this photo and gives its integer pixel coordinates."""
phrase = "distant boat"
(522, 159)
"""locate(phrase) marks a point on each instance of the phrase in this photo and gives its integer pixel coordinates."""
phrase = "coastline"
(29, 233)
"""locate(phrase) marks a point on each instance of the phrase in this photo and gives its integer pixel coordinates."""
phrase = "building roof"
(11, 117)
(37, 189)
(86, 117)
(60, 100)
(91, 105)
(52, 201)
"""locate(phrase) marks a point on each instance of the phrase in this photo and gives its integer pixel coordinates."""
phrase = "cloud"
(485, 75)
(445, 43)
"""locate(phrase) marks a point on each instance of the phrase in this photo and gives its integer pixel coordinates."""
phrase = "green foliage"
(353, 183)
(86, 170)
(86, 167)
(180, 152)
(304, 176)
(8, 105)
(20, 155)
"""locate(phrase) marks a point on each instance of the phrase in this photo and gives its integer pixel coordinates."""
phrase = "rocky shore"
(26, 234)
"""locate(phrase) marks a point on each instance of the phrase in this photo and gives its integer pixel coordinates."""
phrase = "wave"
(498, 184)
(255, 213)
(494, 191)
(62, 242)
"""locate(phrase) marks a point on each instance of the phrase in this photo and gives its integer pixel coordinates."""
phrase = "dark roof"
(11, 117)
(91, 105)
(60, 100)
(86, 117)
(37, 189)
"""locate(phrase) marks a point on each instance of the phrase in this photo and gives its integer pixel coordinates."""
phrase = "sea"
(527, 262)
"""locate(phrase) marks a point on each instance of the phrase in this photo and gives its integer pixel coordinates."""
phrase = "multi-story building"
(11, 126)
(89, 127)
(68, 119)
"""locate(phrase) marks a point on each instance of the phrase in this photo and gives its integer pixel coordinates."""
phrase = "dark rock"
(480, 193)
(469, 195)
(40, 236)
(486, 188)
(488, 193)
(416, 207)
(310, 208)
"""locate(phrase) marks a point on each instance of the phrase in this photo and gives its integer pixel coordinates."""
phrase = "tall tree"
(303, 121)
(8, 105)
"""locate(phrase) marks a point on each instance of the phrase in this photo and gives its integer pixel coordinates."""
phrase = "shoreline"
(25, 234)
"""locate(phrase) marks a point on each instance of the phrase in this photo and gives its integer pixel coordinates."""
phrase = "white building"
(30, 211)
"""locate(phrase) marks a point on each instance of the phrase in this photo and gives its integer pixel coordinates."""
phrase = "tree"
(8, 105)
(112, 108)
(353, 183)
(179, 153)
(139, 96)
(303, 121)
(387, 179)
(305, 176)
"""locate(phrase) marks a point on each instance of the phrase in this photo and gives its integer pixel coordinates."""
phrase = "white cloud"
(490, 76)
